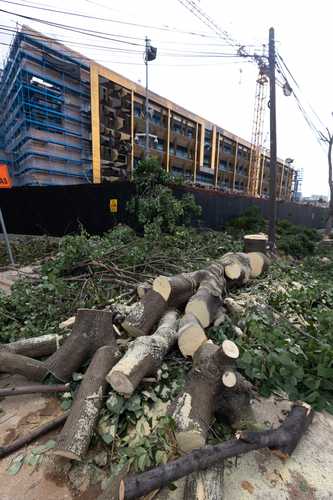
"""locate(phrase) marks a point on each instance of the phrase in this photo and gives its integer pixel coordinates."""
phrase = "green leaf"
(66, 404)
(161, 457)
(115, 404)
(16, 465)
(44, 447)
(141, 462)
(172, 487)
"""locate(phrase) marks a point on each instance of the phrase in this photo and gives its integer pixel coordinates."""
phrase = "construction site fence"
(60, 210)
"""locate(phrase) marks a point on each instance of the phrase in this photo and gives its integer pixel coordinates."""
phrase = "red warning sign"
(5, 180)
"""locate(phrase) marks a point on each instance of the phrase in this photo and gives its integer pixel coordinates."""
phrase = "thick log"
(255, 243)
(33, 389)
(207, 301)
(92, 329)
(74, 439)
(206, 484)
(30, 368)
(193, 410)
(176, 290)
(232, 402)
(191, 335)
(259, 263)
(284, 439)
(143, 318)
(237, 268)
(35, 434)
(142, 289)
(144, 356)
(34, 347)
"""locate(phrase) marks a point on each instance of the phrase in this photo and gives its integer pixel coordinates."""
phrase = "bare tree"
(328, 139)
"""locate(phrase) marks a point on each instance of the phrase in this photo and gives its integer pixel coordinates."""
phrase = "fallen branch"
(92, 329)
(33, 389)
(35, 347)
(142, 319)
(74, 439)
(30, 368)
(144, 356)
(40, 431)
(237, 268)
(191, 335)
(284, 439)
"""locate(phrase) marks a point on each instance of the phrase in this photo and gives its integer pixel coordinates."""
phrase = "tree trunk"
(92, 329)
(329, 223)
(237, 268)
(74, 439)
(232, 402)
(207, 301)
(144, 356)
(206, 484)
(285, 439)
(255, 243)
(142, 319)
(193, 410)
(191, 335)
(176, 290)
(259, 263)
(35, 347)
(28, 367)
(142, 289)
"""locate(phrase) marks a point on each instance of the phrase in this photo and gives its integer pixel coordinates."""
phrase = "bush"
(251, 221)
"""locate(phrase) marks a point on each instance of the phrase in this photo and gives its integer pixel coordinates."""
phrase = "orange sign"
(5, 180)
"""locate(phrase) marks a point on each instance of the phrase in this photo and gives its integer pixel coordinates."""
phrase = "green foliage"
(28, 250)
(297, 241)
(154, 206)
(251, 221)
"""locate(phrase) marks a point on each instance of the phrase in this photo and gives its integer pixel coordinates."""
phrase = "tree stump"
(255, 243)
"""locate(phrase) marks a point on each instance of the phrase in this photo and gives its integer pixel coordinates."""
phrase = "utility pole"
(272, 109)
(147, 41)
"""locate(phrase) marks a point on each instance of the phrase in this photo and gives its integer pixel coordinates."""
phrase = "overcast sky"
(192, 70)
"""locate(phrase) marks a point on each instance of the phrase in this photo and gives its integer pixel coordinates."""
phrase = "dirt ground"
(260, 475)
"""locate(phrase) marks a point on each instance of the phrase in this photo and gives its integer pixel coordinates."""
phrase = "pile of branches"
(171, 310)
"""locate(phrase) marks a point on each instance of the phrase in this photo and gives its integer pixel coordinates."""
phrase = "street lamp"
(150, 55)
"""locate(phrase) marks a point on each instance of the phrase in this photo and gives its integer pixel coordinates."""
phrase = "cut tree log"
(30, 368)
(193, 410)
(259, 263)
(142, 289)
(144, 356)
(35, 434)
(75, 437)
(191, 335)
(234, 308)
(233, 401)
(255, 243)
(34, 347)
(67, 323)
(205, 484)
(33, 389)
(284, 439)
(92, 329)
(176, 290)
(207, 301)
(143, 318)
(237, 268)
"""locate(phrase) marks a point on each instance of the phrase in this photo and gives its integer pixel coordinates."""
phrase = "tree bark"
(142, 289)
(144, 356)
(206, 484)
(285, 439)
(92, 329)
(32, 389)
(259, 263)
(35, 434)
(237, 268)
(193, 410)
(234, 309)
(329, 224)
(207, 301)
(232, 402)
(74, 439)
(255, 243)
(176, 290)
(142, 319)
(28, 367)
(34, 347)
(191, 335)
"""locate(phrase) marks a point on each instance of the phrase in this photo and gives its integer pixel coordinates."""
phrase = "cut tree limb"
(143, 318)
(34, 347)
(259, 263)
(144, 356)
(285, 439)
(142, 289)
(237, 268)
(92, 329)
(30, 368)
(74, 439)
(191, 335)
(232, 401)
(176, 290)
(193, 410)
(207, 301)
(206, 484)
(35, 434)
(33, 389)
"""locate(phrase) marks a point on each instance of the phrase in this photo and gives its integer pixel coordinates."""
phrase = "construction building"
(68, 120)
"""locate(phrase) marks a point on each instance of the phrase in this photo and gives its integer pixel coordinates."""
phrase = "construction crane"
(260, 104)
